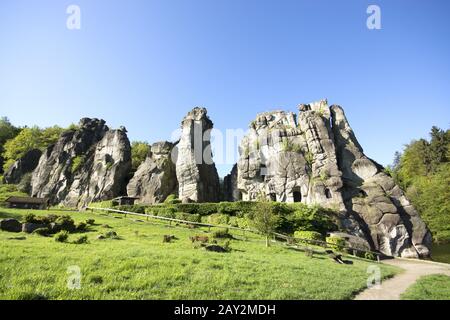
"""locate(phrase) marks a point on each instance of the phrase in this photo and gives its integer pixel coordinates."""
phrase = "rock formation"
(230, 190)
(197, 176)
(22, 166)
(394, 226)
(84, 165)
(156, 177)
(317, 159)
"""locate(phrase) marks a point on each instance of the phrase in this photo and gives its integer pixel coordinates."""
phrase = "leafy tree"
(264, 219)
(28, 139)
(139, 151)
(424, 174)
(7, 132)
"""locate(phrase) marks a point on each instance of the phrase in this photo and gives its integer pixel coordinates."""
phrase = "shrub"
(81, 240)
(369, 256)
(111, 235)
(222, 233)
(167, 212)
(81, 226)
(77, 163)
(132, 208)
(188, 217)
(30, 218)
(61, 236)
(217, 218)
(172, 199)
(306, 218)
(41, 231)
(228, 208)
(308, 235)
(65, 223)
(242, 223)
(244, 208)
(336, 243)
(90, 221)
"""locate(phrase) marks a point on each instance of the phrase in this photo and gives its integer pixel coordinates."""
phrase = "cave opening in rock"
(297, 195)
(327, 193)
(263, 170)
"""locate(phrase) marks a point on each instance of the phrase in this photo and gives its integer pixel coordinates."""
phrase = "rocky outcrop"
(156, 177)
(87, 164)
(230, 190)
(317, 159)
(197, 176)
(394, 226)
(22, 166)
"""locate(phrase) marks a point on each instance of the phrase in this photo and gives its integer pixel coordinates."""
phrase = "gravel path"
(391, 289)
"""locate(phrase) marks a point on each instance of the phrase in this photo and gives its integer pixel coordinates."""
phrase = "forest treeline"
(423, 172)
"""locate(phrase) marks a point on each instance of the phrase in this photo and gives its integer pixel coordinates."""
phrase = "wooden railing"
(275, 235)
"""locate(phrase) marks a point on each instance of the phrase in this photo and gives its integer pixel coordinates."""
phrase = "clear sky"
(145, 64)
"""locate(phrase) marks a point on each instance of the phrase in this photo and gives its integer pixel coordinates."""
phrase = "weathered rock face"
(197, 176)
(317, 159)
(156, 177)
(87, 164)
(24, 165)
(230, 190)
(394, 225)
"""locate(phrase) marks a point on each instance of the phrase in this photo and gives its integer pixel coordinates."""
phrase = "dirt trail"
(391, 289)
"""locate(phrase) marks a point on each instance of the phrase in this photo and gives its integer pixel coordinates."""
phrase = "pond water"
(441, 252)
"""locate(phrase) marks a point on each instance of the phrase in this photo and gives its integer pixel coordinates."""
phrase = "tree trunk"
(267, 240)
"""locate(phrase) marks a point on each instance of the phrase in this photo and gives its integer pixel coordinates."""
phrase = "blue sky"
(145, 64)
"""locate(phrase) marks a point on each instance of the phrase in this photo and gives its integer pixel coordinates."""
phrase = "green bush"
(30, 218)
(77, 163)
(81, 240)
(90, 222)
(62, 236)
(172, 199)
(102, 204)
(217, 218)
(132, 208)
(308, 235)
(242, 223)
(65, 223)
(81, 226)
(188, 217)
(306, 218)
(369, 256)
(222, 234)
(336, 243)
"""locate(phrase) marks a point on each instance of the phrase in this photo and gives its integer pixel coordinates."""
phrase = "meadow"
(138, 265)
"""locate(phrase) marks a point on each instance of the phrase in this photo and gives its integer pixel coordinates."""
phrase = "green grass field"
(141, 266)
(432, 287)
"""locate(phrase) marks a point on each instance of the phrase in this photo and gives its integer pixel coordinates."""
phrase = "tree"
(424, 174)
(139, 151)
(264, 219)
(28, 139)
(7, 132)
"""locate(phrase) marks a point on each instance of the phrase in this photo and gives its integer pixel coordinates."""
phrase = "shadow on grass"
(7, 215)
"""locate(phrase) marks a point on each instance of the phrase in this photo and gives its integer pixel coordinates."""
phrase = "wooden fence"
(275, 235)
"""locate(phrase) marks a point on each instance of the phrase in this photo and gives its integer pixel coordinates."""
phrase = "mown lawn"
(141, 266)
(432, 287)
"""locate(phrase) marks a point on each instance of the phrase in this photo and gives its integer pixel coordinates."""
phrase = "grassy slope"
(432, 287)
(140, 266)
